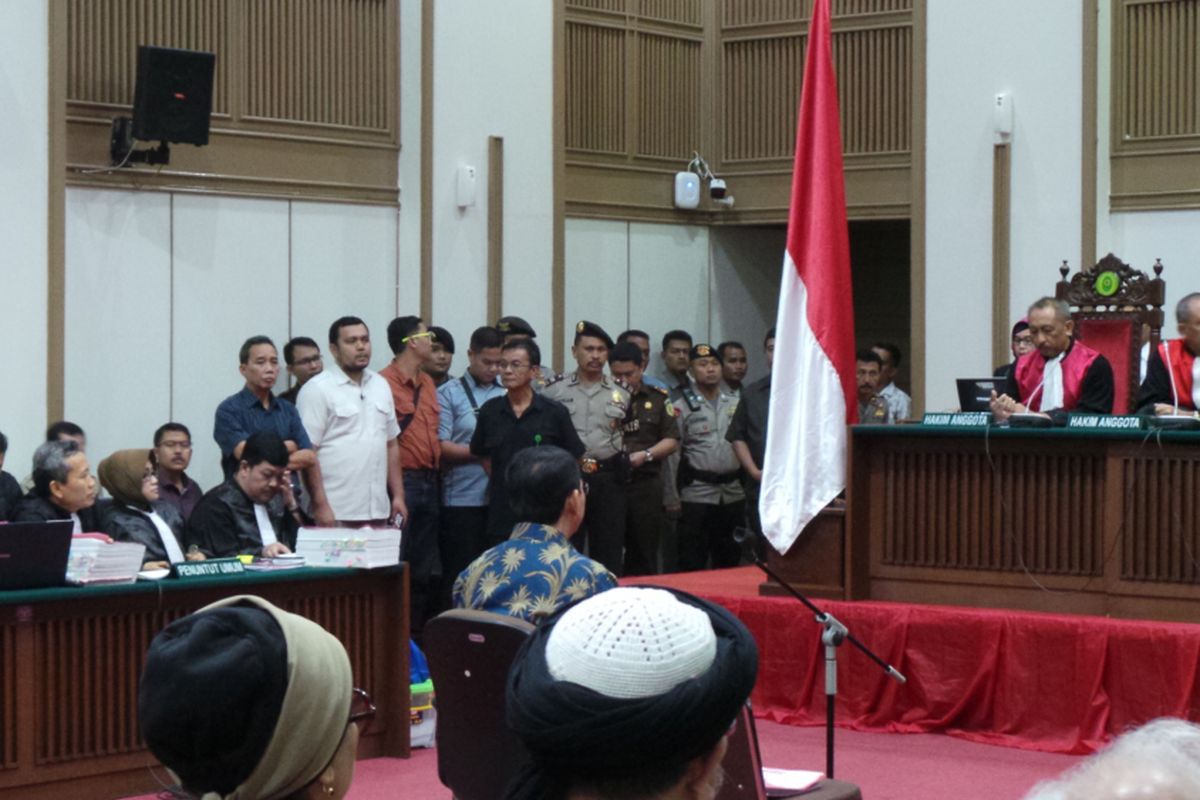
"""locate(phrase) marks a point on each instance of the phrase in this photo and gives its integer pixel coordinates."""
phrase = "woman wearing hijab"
(1022, 343)
(130, 476)
(245, 701)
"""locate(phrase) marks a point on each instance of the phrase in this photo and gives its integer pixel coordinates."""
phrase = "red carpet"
(1055, 683)
(885, 767)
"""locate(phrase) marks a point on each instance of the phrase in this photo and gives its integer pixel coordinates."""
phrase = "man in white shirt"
(898, 402)
(351, 421)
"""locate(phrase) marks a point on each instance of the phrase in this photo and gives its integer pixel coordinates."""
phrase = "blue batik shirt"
(532, 575)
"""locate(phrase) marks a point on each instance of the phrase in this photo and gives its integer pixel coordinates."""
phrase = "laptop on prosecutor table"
(33, 555)
(975, 394)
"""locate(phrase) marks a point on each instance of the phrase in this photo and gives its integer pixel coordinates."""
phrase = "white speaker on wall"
(687, 190)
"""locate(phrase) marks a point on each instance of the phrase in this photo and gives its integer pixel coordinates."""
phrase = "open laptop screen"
(975, 394)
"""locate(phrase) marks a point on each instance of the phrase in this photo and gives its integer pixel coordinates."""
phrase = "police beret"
(704, 351)
(585, 328)
(507, 325)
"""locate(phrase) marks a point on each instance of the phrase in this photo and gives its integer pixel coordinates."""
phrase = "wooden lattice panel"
(1009, 512)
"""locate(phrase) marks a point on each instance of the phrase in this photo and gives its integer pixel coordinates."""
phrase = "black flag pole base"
(834, 633)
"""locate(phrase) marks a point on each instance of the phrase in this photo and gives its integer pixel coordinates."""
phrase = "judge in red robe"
(1172, 384)
(1061, 375)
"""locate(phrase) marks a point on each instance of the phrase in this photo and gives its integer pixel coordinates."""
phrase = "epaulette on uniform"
(557, 377)
(658, 389)
(691, 398)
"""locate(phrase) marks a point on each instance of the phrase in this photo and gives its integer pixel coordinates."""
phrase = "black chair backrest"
(469, 653)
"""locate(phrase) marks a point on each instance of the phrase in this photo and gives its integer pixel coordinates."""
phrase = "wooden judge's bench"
(70, 659)
(1062, 520)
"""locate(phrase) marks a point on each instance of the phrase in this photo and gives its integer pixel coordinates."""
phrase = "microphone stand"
(832, 636)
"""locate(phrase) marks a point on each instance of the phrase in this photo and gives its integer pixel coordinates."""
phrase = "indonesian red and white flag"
(813, 389)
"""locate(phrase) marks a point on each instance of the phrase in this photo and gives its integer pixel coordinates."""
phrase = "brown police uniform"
(651, 419)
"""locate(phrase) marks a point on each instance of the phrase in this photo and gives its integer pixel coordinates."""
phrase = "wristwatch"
(649, 456)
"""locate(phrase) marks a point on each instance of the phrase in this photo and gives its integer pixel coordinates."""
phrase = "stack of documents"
(92, 560)
(366, 548)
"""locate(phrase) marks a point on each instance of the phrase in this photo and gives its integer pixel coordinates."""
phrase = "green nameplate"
(961, 419)
(208, 569)
(1106, 422)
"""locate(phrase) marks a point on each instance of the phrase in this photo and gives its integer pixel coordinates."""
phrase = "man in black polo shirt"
(748, 435)
(520, 419)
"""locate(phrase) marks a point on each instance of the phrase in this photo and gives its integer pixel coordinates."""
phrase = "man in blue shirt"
(537, 571)
(463, 516)
(255, 409)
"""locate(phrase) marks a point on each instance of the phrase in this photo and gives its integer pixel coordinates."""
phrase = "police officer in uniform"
(710, 489)
(650, 436)
(598, 406)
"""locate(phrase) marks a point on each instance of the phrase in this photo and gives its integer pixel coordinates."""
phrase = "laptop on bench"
(33, 555)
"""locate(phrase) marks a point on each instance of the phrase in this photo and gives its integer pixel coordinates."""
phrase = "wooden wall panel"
(598, 5)
(1160, 72)
(875, 89)
(669, 88)
(595, 113)
(103, 37)
(298, 69)
(687, 12)
(762, 93)
(1156, 102)
(306, 94)
(735, 66)
(761, 12)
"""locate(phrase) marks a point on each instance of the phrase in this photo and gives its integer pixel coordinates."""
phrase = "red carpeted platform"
(1055, 683)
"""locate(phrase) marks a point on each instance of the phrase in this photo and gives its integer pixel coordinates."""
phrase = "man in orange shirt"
(417, 409)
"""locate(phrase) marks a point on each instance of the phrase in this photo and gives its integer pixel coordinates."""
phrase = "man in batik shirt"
(537, 571)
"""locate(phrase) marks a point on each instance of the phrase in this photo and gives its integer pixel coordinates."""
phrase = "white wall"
(717, 285)
(163, 289)
(493, 76)
(975, 50)
(24, 158)
(1140, 237)
(747, 264)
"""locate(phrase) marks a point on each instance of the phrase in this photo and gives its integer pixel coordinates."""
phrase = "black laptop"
(975, 394)
(33, 555)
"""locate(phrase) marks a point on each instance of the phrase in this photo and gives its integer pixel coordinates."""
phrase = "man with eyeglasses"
(173, 448)
(514, 422)
(239, 516)
(463, 534)
(303, 358)
(417, 411)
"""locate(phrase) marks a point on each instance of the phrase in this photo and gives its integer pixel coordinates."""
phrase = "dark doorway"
(880, 268)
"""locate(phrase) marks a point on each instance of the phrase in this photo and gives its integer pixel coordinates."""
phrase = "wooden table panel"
(1054, 520)
(71, 659)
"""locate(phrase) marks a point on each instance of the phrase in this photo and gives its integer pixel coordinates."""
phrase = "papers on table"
(787, 782)
(290, 561)
(94, 561)
(365, 548)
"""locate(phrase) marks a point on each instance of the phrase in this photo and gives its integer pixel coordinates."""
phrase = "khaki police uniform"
(709, 483)
(598, 412)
